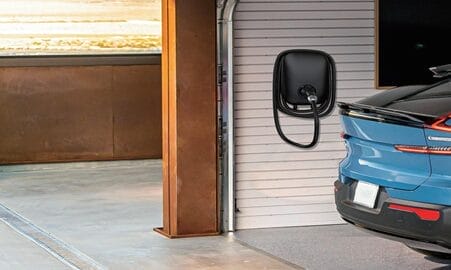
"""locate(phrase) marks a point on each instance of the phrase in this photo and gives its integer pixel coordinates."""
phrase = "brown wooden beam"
(190, 204)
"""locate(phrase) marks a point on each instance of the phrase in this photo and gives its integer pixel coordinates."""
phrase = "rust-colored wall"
(137, 111)
(50, 114)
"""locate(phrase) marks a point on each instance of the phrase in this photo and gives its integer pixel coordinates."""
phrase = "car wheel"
(436, 254)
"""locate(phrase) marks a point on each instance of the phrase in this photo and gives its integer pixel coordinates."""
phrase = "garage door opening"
(274, 184)
(80, 111)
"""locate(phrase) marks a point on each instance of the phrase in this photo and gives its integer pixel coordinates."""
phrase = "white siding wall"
(277, 184)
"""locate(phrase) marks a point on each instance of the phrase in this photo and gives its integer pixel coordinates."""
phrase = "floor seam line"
(63, 252)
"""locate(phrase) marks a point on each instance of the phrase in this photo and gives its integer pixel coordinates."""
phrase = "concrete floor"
(337, 247)
(100, 215)
(17, 252)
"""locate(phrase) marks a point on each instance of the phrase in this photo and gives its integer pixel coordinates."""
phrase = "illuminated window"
(62, 27)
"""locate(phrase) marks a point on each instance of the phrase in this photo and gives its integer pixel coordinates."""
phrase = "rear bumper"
(397, 225)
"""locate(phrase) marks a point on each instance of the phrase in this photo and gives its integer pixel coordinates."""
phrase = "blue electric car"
(396, 178)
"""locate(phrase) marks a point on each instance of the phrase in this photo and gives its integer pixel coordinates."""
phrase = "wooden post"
(190, 188)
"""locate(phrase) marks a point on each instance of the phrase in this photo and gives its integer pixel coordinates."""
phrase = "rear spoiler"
(384, 115)
(441, 71)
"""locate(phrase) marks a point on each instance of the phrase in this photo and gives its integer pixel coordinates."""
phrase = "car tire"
(440, 255)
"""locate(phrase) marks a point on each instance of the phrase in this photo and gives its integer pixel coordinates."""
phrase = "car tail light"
(434, 150)
(440, 150)
(442, 123)
(422, 213)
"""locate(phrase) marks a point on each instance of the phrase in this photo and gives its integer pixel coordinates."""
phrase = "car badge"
(439, 139)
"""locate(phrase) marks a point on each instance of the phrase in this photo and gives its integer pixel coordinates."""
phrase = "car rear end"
(396, 177)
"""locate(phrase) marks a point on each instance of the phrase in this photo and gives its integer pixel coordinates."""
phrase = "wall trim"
(80, 60)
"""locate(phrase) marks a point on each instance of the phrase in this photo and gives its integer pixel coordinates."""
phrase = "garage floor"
(100, 215)
(337, 247)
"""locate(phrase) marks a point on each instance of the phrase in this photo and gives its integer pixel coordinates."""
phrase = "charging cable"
(309, 92)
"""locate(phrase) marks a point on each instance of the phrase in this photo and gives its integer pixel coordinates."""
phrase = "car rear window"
(432, 100)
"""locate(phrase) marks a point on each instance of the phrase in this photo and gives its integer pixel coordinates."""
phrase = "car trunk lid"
(400, 137)
(372, 135)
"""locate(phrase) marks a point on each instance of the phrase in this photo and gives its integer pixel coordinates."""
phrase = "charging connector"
(308, 92)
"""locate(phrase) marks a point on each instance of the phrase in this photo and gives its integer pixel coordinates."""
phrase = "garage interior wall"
(78, 113)
(276, 184)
